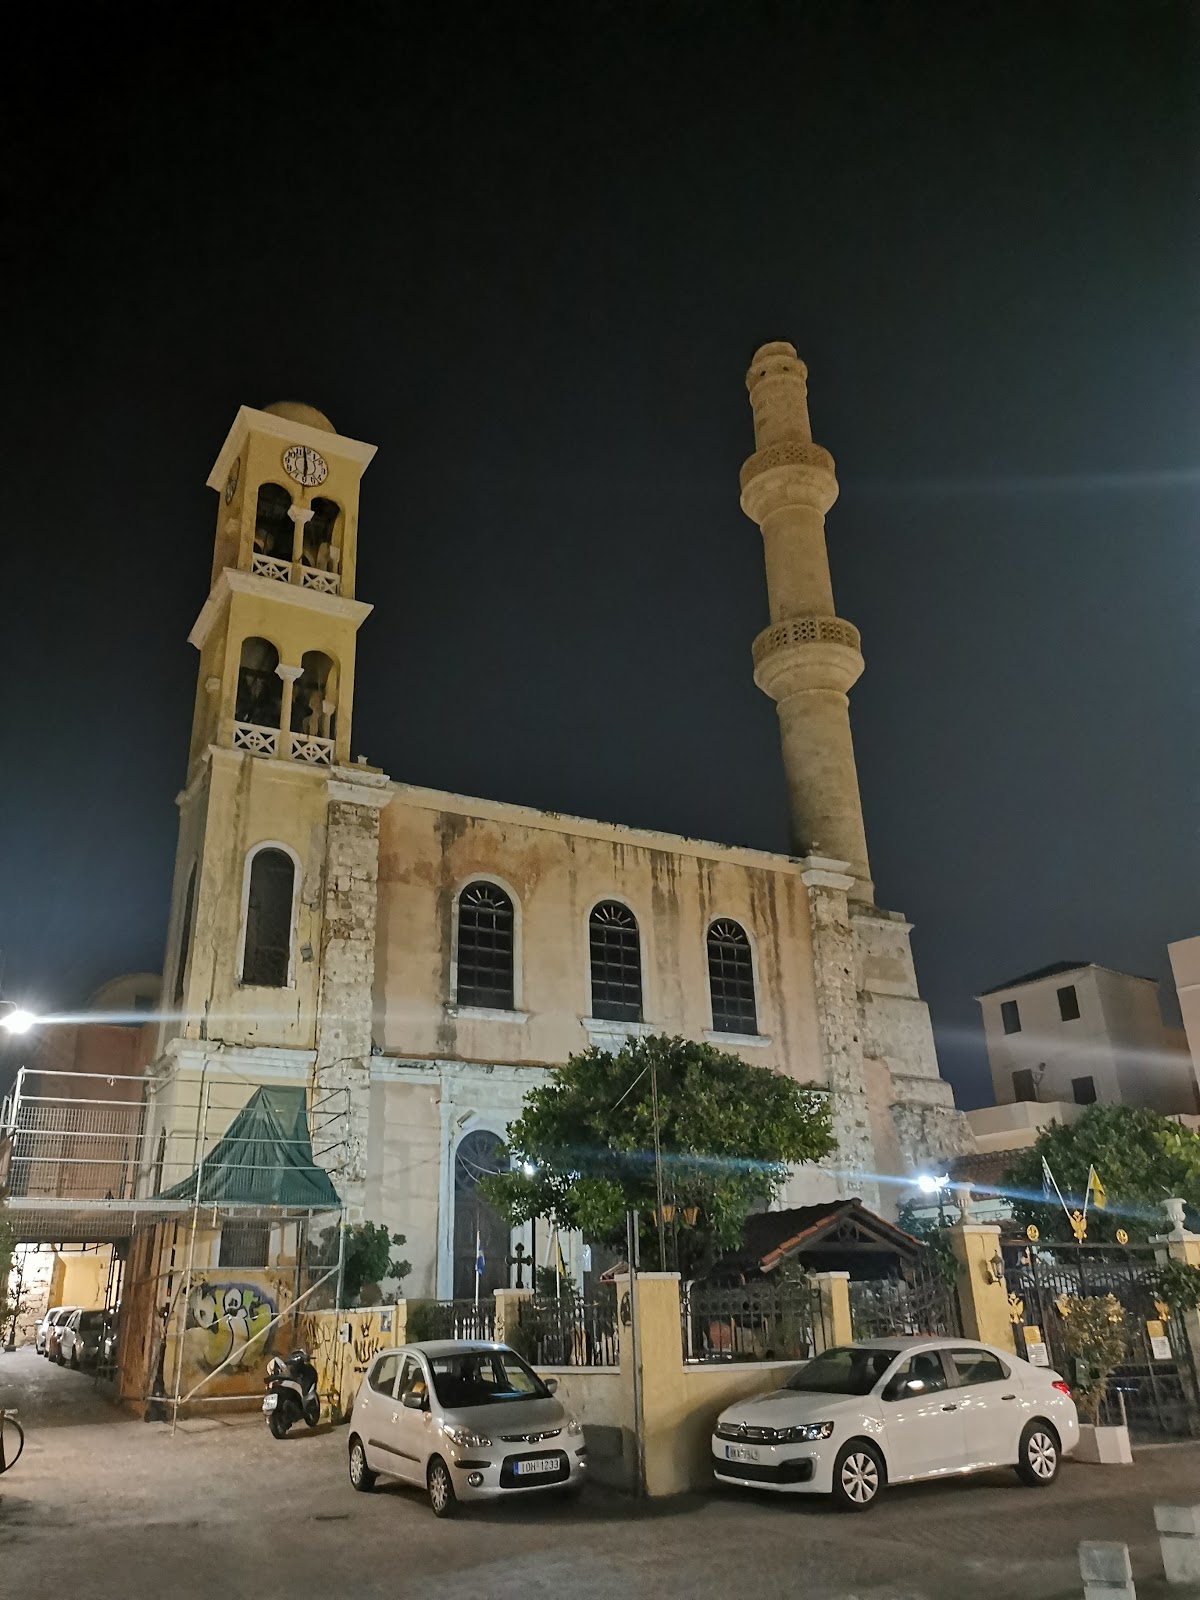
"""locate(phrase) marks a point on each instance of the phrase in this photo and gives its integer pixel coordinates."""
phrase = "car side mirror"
(551, 1384)
(415, 1402)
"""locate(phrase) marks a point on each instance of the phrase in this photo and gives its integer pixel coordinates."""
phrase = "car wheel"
(441, 1489)
(1038, 1455)
(58, 1356)
(361, 1476)
(75, 1360)
(858, 1476)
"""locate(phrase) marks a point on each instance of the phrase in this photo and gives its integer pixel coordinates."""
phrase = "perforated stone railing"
(322, 582)
(316, 751)
(271, 567)
(259, 741)
(307, 577)
(806, 630)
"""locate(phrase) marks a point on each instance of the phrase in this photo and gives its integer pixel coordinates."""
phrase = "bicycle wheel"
(8, 1456)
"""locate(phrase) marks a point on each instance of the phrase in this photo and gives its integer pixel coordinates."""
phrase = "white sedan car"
(883, 1411)
(465, 1421)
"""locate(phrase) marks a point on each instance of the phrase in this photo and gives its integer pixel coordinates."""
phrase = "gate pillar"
(982, 1292)
(835, 1324)
(1185, 1247)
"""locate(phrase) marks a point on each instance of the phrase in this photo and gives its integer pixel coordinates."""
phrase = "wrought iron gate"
(922, 1300)
(1157, 1394)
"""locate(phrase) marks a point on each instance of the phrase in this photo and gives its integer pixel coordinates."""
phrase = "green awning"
(264, 1159)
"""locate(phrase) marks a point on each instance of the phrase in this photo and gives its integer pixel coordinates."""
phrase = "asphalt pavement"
(105, 1507)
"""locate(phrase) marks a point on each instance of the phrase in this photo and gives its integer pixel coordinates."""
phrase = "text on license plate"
(270, 1401)
(740, 1452)
(530, 1466)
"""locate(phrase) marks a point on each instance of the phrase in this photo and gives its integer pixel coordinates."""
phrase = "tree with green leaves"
(583, 1147)
(368, 1258)
(1140, 1157)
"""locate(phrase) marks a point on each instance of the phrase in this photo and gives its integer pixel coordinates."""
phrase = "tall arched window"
(260, 688)
(274, 530)
(318, 535)
(479, 1230)
(314, 689)
(485, 947)
(616, 957)
(266, 957)
(731, 979)
(185, 934)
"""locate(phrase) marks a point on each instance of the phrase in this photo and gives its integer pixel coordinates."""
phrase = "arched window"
(185, 934)
(266, 957)
(318, 535)
(731, 979)
(616, 956)
(312, 692)
(478, 1229)
(485, 947)
(260, 688)
(274, 530)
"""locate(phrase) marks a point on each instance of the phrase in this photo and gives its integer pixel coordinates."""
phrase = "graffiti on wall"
(227, 1323)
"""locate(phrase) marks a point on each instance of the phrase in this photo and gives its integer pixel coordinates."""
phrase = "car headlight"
(466, 1440)
(807, 1433)
(574, 1427)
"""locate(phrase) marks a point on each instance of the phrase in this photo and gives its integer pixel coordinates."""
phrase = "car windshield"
(483, 1377)
(843, 1370)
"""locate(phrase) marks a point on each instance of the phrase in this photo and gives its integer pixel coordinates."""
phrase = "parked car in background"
(884, 1411)
(54, 1332)
(108, 1343)
(464, 1421)
(80, 1337)
(43, 1328)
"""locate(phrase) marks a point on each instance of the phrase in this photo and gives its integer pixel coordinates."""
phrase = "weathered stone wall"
(342, 1071)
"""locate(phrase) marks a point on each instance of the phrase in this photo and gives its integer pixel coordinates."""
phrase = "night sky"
(529, 251)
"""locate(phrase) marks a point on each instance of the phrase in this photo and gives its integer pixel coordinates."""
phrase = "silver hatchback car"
(465, 1421)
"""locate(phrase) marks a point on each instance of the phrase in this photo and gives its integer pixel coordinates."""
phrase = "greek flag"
(480, 1261)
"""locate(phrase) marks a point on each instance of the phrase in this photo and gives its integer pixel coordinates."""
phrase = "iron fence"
(565, 1331)
(451, 1319)
(758, 1321)
(920, 1300)
(1154, 1389)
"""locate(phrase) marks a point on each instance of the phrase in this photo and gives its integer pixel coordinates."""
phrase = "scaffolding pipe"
(187, 1277)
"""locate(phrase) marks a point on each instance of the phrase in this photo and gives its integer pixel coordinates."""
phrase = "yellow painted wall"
(80, 1279)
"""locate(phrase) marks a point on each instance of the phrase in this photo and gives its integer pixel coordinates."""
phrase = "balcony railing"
(259, 741)
(295, 572)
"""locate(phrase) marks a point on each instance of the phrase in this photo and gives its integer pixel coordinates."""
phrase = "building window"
(616, 958)
(259, 686)
(266, 958)
(1010, 1016)
(1024, 1087)
(313, 696)
(731, 979)
(485, 947)
(1068, 1003)
(185, 934)
(317, 550)
(245, 1244)
(479, 1229)
(274, 530)
(1084, 1090)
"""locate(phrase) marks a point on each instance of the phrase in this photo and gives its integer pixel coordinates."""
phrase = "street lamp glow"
(528, 1168)
(931, 1185)
(18, 1020)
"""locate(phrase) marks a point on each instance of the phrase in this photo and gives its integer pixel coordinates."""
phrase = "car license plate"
(740, 1452)
(270, 1401)
(530, 1466)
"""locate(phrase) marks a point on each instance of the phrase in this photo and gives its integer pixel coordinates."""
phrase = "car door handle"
(950, 1408)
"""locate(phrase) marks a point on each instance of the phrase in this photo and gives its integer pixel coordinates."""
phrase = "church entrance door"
(478, 1155)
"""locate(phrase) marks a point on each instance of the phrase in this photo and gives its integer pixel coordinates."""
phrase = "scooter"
(291, 1393)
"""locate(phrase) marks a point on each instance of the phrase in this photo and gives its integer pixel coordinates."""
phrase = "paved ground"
(100, 1507)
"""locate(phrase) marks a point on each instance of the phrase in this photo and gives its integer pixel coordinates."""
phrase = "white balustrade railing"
(259, 741)
(312, 748)
(271, 567)
(322, 582)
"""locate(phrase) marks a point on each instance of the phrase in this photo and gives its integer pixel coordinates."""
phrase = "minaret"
(808, 658)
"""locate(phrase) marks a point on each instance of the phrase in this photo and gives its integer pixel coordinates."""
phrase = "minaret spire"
(808, 658)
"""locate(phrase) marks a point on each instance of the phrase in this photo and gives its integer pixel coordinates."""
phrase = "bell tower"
(270, 946)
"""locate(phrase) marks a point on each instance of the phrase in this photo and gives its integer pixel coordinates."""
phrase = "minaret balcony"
(259, 741)
(296, 572)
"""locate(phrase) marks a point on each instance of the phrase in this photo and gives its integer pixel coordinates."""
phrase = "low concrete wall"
(707, 1391)
(603, 1402)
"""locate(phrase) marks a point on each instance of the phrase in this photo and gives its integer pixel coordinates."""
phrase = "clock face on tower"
(305, 465)
(231, 482)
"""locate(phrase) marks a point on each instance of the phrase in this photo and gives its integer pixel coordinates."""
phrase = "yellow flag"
(1095, 1189)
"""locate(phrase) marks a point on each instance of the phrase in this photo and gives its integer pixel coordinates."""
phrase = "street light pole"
(658, 1173)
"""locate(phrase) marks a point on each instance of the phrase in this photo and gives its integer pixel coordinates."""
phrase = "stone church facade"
(419, 960)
